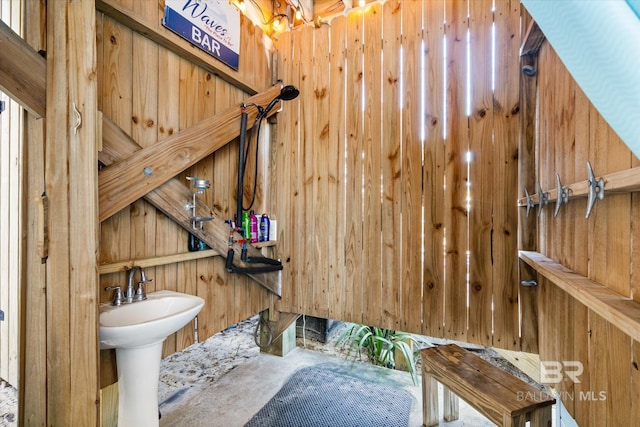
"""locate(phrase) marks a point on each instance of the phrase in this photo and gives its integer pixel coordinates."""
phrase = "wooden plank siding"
(152, 93)
(416, 162)
(602, 248)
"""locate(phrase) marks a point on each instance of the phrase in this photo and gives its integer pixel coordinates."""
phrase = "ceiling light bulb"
(241, 6)
(298, 15)
(361, 3)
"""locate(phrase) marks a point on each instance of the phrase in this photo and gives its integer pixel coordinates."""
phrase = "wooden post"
(32, 389)
(71, 185)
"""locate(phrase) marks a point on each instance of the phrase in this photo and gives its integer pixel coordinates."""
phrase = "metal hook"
(543, 199)
(562, 197)
(78, 117)
(530, 202)
(596, 189)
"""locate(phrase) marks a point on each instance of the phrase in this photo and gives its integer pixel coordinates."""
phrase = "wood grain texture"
(391, 165)
(456, 172)
(492, 391)
(434, 173)
(619, 310)
(335, 221)
(22, 71)
(170, 157)
(411, 151)
(353, 292)
(372, 176)
(143, 24)
(320, 149)
(72, 331)
(481, 161)
(506, 102)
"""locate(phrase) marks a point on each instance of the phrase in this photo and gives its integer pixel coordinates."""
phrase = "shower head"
(287, 93)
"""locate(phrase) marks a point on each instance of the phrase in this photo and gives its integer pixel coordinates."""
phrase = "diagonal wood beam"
(171, 197)
(131, 178)
(23, 72)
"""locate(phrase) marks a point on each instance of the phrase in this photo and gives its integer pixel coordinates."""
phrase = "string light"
(242, 6)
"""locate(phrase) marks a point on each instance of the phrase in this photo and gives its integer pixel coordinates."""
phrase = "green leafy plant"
(380, 346)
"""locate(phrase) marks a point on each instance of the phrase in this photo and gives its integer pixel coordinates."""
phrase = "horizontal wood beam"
(625, 181)
(171, 197)
(532, 40)
(115, 267)
(620, 311)
(23, 72)
(131, 178)
(156, 32)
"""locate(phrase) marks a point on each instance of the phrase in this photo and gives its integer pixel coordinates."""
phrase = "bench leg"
(451, 409)
(541, 417)
(430, 415)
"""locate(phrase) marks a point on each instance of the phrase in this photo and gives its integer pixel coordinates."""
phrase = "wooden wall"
(602, 248)
(395, 178)
(151, 93)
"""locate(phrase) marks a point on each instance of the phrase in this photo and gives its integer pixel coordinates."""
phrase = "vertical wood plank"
(281, 174)
(433, 173)
(372, 126)
(412, 146)
(353, 173)
(320, 148)
(391, 164)
(335, 206)
(505, 176)
(481, 162)
(71, 156)
(307, 269)
(32, 390)
(457, 140)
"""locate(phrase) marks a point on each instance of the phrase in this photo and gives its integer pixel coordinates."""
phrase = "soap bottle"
(253, 223)
(246, 226)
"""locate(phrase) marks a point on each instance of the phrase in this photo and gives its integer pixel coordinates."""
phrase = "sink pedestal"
(138, 376)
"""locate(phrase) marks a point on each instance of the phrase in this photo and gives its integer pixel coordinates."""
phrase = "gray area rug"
(318, 396)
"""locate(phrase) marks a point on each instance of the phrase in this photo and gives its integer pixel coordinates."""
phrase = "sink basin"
(137, 331)
(142, 323)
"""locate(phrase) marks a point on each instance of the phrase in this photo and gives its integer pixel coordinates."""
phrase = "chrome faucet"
(130, 295)
(139, 294)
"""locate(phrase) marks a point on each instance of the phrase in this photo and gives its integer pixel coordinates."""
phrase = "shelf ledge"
(622, 312)
(155, 261)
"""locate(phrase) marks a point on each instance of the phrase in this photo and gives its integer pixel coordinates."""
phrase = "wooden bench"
(502, 398)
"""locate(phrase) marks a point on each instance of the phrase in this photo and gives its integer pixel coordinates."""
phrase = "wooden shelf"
(622, 312)
(155, 261)
(625, 181)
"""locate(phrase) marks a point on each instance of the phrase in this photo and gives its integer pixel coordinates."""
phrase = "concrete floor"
(237, 396)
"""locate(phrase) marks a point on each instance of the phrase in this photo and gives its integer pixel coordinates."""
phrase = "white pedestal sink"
(137, 331)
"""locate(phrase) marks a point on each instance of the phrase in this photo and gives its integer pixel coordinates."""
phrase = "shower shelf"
(155, 261)
(620, 311)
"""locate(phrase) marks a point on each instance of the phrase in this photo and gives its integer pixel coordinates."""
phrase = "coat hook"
(78, 117)
(543, 199)
(563, 195)
(530, 202)
(596, 189)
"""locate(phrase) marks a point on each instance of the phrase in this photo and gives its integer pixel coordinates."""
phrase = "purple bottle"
(253, 223)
